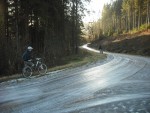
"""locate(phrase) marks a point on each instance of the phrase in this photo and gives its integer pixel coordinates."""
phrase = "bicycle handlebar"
(38, 58)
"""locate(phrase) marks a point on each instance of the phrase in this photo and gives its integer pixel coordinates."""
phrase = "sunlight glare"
(94, 10)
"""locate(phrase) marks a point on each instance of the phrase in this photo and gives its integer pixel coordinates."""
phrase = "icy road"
(119, 84)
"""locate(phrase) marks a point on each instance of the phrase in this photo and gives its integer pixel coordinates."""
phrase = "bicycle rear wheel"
(27, 72)
(42, 69)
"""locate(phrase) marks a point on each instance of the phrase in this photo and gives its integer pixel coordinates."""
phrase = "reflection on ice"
(90, 49)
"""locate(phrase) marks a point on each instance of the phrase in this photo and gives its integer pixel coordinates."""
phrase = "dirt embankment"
(138, 43)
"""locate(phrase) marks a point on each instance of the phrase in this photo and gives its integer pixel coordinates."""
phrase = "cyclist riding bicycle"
(30, 65)
(27, 56)
(100, 49)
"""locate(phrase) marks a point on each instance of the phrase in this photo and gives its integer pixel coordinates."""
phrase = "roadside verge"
(83, 57)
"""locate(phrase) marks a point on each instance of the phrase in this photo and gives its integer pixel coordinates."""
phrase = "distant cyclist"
(100, 49)
(27, 56)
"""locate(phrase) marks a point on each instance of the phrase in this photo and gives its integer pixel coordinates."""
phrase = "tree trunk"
(76, 28)
(139, 18)
(16, 25)
(3, 45)
(148, 14)
(135, 20)
(2, 19)
(73, 27)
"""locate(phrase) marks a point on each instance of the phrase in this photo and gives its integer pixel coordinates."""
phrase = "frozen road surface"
(119, 84)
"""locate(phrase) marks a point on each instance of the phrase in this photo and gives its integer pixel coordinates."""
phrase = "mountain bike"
(38, 65)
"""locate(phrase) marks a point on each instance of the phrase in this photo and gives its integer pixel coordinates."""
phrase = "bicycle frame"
(38, 62)
(37, 65)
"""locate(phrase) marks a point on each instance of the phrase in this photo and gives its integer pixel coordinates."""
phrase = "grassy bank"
(80, 59)
(137, 43)
(72, 61)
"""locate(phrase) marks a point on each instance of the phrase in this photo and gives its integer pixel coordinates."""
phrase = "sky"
(95, 7)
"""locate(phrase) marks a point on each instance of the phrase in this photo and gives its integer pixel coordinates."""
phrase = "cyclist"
(100, 49)
(27, 57)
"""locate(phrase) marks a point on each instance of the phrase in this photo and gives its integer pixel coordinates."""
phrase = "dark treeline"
(51, 27)
(122, 16)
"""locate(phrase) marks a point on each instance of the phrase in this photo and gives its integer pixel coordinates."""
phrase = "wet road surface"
(118, 84)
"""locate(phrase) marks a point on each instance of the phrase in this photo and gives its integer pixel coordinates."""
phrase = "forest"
(120, 17)
(51, 27)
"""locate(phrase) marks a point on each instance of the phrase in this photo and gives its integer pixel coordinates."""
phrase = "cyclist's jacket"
(26, 55)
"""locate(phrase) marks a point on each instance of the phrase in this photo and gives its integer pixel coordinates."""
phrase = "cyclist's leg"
(101, 51)
(28, 63)
(31, 64)
(25, 63)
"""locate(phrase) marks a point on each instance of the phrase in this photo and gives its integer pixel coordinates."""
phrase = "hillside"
(138, 43)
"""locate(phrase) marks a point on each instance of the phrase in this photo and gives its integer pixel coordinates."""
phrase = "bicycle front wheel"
(42, 69)
(27, 72)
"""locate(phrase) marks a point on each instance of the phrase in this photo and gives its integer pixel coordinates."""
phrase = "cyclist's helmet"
(29, 48)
